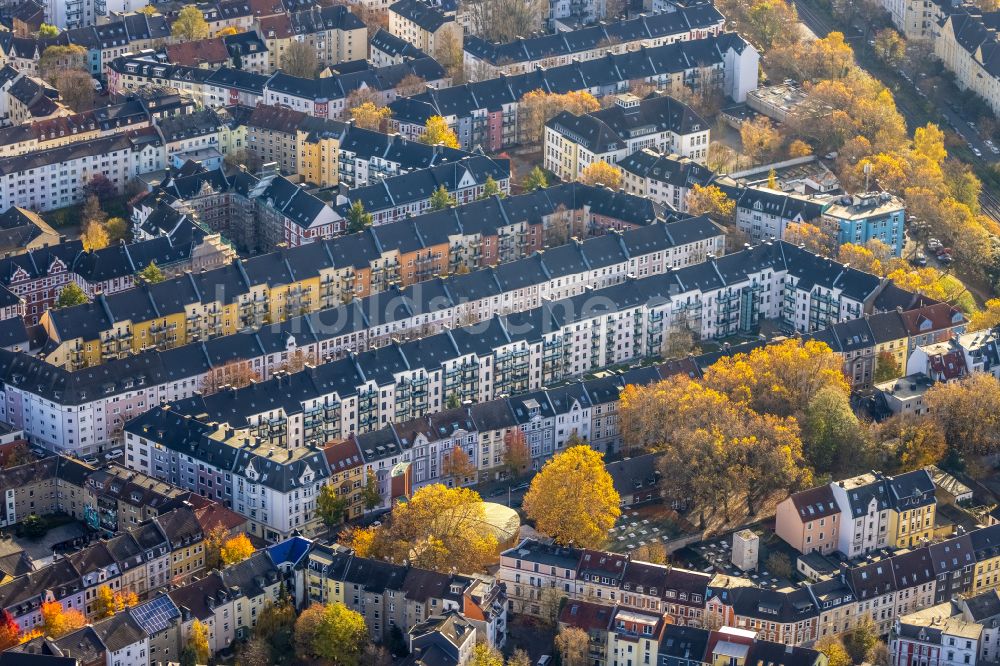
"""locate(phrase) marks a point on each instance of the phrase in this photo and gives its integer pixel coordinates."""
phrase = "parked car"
(117, 453)
(90, 460)
(977, 152)
(919, 259)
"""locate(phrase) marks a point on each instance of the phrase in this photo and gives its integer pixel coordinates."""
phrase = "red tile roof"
(210, 51)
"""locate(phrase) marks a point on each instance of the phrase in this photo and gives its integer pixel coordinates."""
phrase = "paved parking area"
(40, 550)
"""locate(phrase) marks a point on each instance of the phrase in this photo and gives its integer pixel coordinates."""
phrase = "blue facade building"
(864, 217)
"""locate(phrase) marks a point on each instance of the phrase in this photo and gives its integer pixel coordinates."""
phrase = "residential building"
(666, 179)
(572, 143)
(871, 216)
(485, 113)
(424, 25)
(809, 520)
(965, 41)
(488, 60)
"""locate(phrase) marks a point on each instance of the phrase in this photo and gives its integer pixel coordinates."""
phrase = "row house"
(318, 282)
(487, 60)
(584, 338)
(132, 114)
(861, 514)
(953, 633)
(425, 26)
(56, 178)
(965, 44)
(275, 490)
(409, 194)
(664, 178)
(335, 34)
(37, 276)
(227, 603)
(538, 575)
(659, 122)
(477, 234)
(392, 596)
(138, 560)
(303, 145)
(619, 635)
(485, 113)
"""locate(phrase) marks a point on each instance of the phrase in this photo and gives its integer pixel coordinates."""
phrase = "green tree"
(70, 295)
(452, 401)
(330, 505)
(535, 180)
(189, 657)
(151, 274)
(190, 25)
(357, 218)
(370, 494)
(117, 230)
(441, 199)
(491, 188)
(831, 431)
(862, 640)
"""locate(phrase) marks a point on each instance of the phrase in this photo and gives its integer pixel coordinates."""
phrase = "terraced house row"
(617, 324)
(226, 86)
(92, 403)
(280, 422)
(882, 588)
(486, 60)
(477, 234)
(226, 602)
(164, 550)
(329, 152)
(320, 277)
(262, 211)
(486, 113)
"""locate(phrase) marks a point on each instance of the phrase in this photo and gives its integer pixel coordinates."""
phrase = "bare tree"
(76, 88)
(411, 85)
(505, 20)
(572, 644)
(235, 373)
(299, 60)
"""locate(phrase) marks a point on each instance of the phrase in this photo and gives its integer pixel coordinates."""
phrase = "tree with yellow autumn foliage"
(370, 116)
(710, 200)
(198, 641)
(537, 107)
(437, 131)
(236, 549)
(107, 602)
(439, 528)
(573, 499)
(601, 173)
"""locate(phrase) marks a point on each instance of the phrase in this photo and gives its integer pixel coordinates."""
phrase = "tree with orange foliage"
(516, 455)
(458, 465)
(58, 621)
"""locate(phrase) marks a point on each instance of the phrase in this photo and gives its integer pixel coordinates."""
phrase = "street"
(909, 98)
